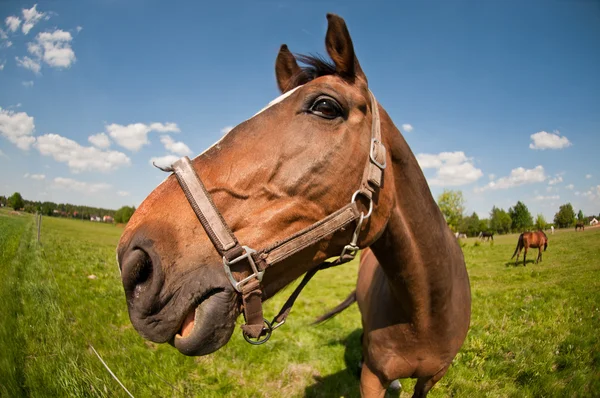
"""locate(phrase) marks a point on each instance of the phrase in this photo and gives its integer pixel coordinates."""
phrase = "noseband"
(258, 261)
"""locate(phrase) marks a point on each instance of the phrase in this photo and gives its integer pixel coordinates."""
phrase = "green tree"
(500, 221)
(452, 205)
(540, 222)
(565, 216)
(48, 208)
(16, 201)
(123, 215)
(484, 225)
(580, 216)
(520, 216)
(470, 225)
(2, 200)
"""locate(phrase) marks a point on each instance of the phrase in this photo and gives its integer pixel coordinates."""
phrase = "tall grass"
(534, 328)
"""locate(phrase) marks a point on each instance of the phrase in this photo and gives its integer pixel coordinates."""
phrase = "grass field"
(534, 329)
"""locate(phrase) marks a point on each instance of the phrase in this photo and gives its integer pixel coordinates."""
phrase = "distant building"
(107, 219)
(95, 218)
(593, 221)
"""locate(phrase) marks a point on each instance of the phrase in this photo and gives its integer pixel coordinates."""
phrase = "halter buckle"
(248, 252)
(380, 151)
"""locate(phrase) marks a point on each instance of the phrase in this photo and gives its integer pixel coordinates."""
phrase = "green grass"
(534, 329)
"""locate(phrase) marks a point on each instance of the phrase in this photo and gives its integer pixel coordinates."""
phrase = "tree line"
(17, 202)
(515, 219)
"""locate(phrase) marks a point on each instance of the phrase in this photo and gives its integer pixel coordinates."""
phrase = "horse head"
(294, 163)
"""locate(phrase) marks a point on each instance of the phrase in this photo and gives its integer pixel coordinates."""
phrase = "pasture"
(534, 329)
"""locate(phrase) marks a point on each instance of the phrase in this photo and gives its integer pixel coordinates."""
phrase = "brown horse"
(537, 240)
(277, 181)
(579, 225)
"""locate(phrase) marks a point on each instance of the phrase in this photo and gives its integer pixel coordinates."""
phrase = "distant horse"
(579, 225)
(536, 240)
(486, 234)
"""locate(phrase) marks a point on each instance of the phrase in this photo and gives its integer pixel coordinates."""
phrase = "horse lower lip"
(188, 324)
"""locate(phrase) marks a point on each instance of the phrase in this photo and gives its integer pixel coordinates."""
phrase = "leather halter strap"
(233, 252)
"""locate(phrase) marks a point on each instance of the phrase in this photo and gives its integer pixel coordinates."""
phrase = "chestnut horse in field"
(537, 240)
(321, 166)
(580, 226)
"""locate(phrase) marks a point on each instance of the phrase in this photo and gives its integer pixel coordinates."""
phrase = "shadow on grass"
(344, 383)
(519, 264)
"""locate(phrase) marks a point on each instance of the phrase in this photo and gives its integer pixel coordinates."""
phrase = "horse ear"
(340, 49)
(289, 74)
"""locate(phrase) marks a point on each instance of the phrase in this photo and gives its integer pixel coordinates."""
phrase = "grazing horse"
(536, 240)
(321, 166)
(486, 234)
(579, 225)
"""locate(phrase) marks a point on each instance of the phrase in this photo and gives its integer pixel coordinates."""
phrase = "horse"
(580, 225)
(486, 234)
(526, 240)
(321, 172)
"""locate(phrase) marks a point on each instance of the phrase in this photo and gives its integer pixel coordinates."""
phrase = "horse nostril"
(137, 272)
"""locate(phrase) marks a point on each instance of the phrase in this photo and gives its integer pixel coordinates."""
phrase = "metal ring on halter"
(261, 340)
(359, 192)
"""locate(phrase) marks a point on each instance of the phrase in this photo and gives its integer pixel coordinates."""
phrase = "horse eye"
(326, 108)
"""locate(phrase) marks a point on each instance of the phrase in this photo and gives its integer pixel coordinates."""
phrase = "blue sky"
(499, 99)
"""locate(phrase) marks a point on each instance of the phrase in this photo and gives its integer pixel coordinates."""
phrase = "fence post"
(39, 226)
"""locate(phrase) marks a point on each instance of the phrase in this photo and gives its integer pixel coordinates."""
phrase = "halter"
(258, 261)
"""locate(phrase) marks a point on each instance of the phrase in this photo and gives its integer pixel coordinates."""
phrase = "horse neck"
(417, 251)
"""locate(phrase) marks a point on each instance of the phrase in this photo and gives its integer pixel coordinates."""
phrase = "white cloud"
(3, 34)
(543, 140)
(452, 168)
(570, 186)
(176, 147)
(588, 176)
(541, 198)
(518, 176)
(78, 29)
(226, 129)
(164, 161)
(80, 158)
(99, 140)
(13, 23)
(30, 18)
(70, 184)
(134, 136)
(17, 127)
(38, 177)
(123, 193)
(54, 47)
(35, 49)
(6, 44)
(492, 177)
(29, 63)
(555, 180)
(407, 127)
(28, 83)
(592, 193)
(2, 65)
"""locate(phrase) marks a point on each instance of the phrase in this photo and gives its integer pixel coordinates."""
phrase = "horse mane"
(314, 66)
